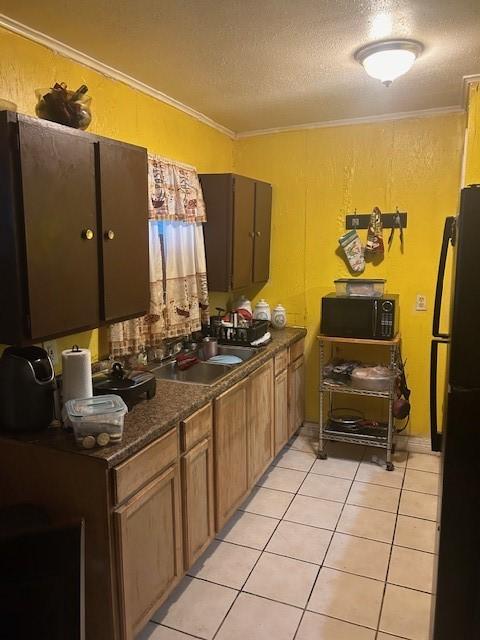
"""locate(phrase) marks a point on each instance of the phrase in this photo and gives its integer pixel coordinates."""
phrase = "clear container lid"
(98, 405)
(361, 280)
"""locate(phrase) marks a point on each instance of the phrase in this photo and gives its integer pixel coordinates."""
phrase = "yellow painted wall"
(119, 112)
(472, 154)
(318, 176)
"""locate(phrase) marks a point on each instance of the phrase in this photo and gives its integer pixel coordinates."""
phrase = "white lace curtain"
(178, 274)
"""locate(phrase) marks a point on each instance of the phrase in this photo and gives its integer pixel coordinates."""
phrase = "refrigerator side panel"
(465, 350)
(458, 564)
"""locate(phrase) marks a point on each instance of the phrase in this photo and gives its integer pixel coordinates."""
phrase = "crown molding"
(88, 61)
(403, 115)
(69, 52)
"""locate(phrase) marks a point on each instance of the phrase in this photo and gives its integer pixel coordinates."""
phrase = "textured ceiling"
(256, 64)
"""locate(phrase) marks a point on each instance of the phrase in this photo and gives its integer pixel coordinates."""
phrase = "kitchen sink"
(200, 373)
(244, 353)
(204, 372)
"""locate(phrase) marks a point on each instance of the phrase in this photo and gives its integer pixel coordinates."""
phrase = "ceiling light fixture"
(389, 59)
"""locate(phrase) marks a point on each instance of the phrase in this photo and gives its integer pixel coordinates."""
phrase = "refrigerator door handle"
(448, 237)
(435, 436)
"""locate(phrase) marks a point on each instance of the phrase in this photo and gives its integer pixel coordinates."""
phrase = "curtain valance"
(174, 192)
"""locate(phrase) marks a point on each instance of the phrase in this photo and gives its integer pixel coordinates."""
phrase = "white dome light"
(388, 60)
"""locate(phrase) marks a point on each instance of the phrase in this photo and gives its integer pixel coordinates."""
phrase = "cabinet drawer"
(281, 361)
(134, 473)
(196, 427)
(297, 349)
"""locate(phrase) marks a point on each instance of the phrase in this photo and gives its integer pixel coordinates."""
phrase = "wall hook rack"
(389, 220)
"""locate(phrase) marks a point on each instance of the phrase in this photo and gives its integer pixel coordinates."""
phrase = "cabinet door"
(122, 177)
(198, 500)
(260, 421)
(261, 248)
(60, 217)
(281, 410)
(230, 438)
(243, 231)
(296, 394)
(149, 541)
(218, 195)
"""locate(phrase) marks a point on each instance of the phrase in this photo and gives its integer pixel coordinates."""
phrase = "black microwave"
(360, 317)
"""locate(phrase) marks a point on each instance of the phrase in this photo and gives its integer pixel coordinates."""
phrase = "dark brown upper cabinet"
(237, 231)
(73, 230)
(122, 174)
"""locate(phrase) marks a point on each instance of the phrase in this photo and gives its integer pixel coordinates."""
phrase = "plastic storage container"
(360, 287)
(372, 378)
(97, 421)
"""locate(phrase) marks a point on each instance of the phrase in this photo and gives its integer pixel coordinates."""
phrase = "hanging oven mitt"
(374, 244)
(353, 249)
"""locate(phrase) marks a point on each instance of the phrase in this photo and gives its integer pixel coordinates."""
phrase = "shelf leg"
(321, 454)
(391, 425)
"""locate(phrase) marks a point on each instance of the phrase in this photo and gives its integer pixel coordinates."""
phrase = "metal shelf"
(385, 441)
(361, 440)
(343, 388)
(367, 341)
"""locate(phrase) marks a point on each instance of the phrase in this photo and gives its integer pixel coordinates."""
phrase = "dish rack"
(382, 436)
(238, 336)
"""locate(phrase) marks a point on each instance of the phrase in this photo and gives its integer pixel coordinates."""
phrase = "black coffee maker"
(27, 384)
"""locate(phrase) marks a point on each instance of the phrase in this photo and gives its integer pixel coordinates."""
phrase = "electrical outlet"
(51, 349)
(421, 302)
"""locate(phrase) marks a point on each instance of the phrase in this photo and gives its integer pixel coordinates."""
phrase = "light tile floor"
(339, 549)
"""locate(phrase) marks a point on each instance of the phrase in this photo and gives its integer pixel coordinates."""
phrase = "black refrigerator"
(456, 606)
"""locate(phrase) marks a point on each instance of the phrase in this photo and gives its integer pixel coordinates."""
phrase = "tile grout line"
(262, 551)
(239, 591)
(326, 551)
(165, 626)
(313, 564)
(391, 552)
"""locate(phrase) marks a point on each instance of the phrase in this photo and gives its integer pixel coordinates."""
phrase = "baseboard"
(415, 444)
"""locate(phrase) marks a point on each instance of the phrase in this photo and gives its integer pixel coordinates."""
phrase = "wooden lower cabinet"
(281, 431)
(149, 549)
(230, 437)
(149, 518)
(296, 394)
(260, 415)
(198, 500)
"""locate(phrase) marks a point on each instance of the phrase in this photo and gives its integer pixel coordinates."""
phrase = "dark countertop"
(174, 401)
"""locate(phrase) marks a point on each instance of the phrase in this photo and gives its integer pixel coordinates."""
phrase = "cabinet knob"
(258, 234)
(109, 234)
(251, 234)
(87, 234)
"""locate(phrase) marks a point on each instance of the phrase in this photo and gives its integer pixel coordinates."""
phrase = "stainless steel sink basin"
(244, 353)
(204, 372)
(200, 373)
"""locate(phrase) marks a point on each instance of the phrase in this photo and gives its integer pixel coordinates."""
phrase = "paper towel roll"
(76, 374)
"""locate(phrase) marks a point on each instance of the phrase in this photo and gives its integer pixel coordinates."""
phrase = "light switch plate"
(421, 302)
